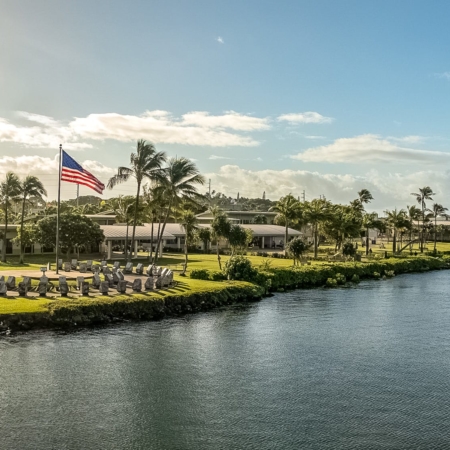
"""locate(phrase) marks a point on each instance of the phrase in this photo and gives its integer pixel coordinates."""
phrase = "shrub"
(331, 282)
(355, 278)
(265, 265)
(389, 273)
(377, 275)
(348, 249)
(340, 278)
(200, 274)
(216, 276)
(239, 268)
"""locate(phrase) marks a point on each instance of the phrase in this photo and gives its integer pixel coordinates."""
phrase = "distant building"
(240, 217)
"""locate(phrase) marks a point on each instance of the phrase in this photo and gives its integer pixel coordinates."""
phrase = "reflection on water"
(363, 367)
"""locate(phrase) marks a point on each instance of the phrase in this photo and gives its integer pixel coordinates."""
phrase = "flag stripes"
(73, 172)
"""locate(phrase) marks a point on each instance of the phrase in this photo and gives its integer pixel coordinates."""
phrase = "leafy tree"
(348, 249)
(204, 234)
(296, 248)
(289, 210)
(26, 235)
(145, 164)
(75, 231)
(369, 221)
(413, 213)
(31, 190)
(189, 223)
(238, 238)
(9, 191)
(260, 219)
(424, 193)
(239, 268)
(180, 181)
(436, 211)
(220, 229)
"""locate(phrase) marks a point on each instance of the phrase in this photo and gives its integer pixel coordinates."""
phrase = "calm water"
(357, 368)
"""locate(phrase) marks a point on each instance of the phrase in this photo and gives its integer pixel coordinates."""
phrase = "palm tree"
(424, 194)
(364, 197)
(31, 189)
(413, 213)
(437, 210)
(369, 221)
(189, 222)
(220, 228)
(289, 209)
(146, 163)
(316, 212)
(9, 191)
(180, 181)
(396, 220)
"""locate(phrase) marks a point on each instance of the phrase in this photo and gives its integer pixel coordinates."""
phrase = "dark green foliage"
(200, 274)
(239, 268)
(216, 276)
(349, 249)
(296, 247)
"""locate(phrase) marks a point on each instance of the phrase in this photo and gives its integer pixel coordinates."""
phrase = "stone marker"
(62, 279)
(23, 289)
(85, 288)
(60, 264)
(11, 283)
(43, 279)
(115, 277)
(109, 279)
(96, 268)
(74, 264)
(27, 281)
(158, 271)
(96, 281)
(3, 288)
(63, 289)
(149, 270)
(122, 287)
(89, 264)
(42, 289)
(104, 287)
(103, 263)
(83, 267)
(49, 266)
(170, 277)
(2, 278)
(158, 283)
(80, 280)
(128, 267)
(137, 285)
(106, 270)
(116, 264)
(67, 266)
(140, 269)
(120, 275)
(149, 284)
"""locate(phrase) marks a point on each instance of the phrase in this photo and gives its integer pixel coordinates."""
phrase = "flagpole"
(58, 208)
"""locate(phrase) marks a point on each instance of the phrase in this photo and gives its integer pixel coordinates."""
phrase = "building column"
(178, 242)
(135, 248)
(262, 242)
(161, 246)
(109, 250)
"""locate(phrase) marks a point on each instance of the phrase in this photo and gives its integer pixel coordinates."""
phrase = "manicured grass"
(19, 305)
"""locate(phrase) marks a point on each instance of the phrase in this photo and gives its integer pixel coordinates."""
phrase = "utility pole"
(209, 183)
(303, 196)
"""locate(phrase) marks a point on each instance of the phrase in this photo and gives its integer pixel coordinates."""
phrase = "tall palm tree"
(316, 212)
(413, 213)
(364, 197)
(396, 219)
(437, 210)
(31, 190)
(289, 210)
(424, 193)
(180, 181)
(220, 228)
(9, 191)
(189, 222)
(146, 163)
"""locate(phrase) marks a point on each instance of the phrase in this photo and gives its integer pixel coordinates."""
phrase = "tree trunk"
(185, 254)
(367, 241)
(4, 236)
(163, 227)
(136, 206)
(157, 237)
(151, 243)
(126, 243)
(315, 240)
(394, 241)
(435, 233)
(218, 254)
(21, 230)
(285, 237)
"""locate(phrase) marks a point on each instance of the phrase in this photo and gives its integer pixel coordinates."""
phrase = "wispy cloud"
(194, 128)
(369, 148)
(413, 139)
(220, 40)
(214, 157)
(305, 117)
(314, 137)
(445, 75)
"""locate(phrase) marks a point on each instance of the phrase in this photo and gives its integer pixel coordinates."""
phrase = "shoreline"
(101, 310)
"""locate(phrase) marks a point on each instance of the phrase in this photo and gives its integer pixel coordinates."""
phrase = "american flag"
(72, 172)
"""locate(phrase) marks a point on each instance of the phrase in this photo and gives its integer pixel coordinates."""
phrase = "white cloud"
(214, 157)
(413, 139)
(369, 148)
(314, 137)
(389, 189)
(230, 119)
(305, 117)
(194, 128)
(220, 40)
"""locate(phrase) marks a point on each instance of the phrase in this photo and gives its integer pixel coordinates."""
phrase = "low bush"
(389, 273)
(376, 275)
(355, 278)
(216, 276)
(200, 274)
(239, 268)
(340, 278)
(331, 282)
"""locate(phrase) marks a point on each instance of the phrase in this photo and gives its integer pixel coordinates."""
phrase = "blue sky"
(326, 96)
